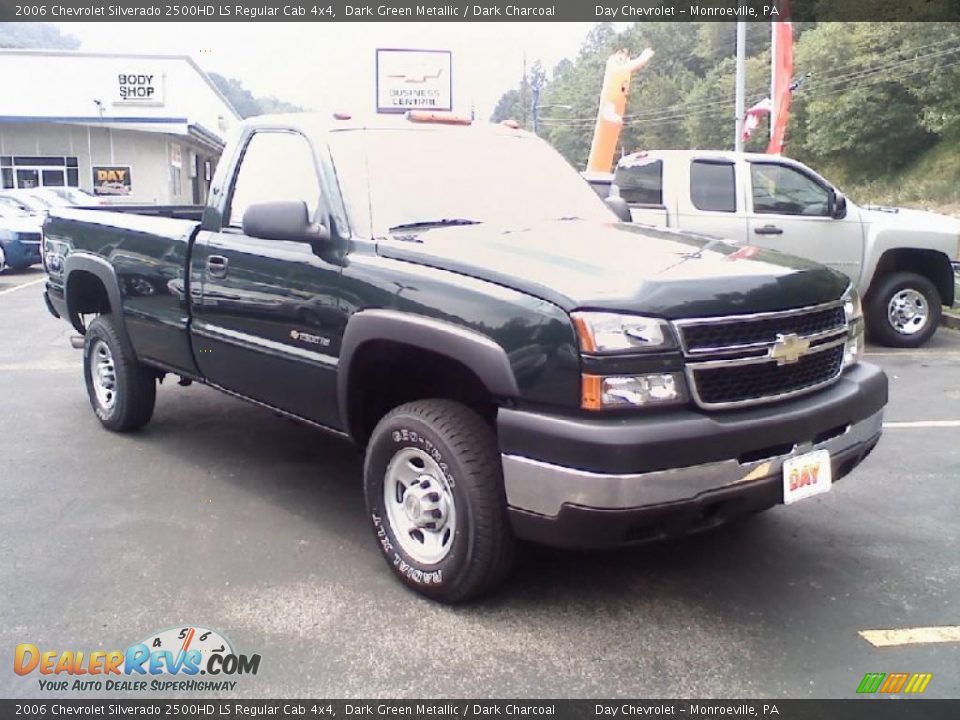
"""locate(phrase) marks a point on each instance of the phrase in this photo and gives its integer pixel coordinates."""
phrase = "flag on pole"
(751, 119)
(782, 70)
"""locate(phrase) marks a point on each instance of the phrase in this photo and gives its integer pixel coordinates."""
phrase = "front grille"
(744, 383)
(28, 237)
(750, 359)
(706, 337)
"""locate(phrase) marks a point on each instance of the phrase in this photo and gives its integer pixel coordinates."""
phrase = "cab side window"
(713, 186)
(276, 166)
(641, 183)
(781, 190)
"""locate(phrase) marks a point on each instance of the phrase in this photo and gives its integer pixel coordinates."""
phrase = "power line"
(832, 85)
(836, 75)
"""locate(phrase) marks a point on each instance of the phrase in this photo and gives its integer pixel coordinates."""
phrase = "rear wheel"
(122, 391)
(903, 310)
(434, 490)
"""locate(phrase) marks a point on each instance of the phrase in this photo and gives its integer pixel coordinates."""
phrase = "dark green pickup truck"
(516, 362)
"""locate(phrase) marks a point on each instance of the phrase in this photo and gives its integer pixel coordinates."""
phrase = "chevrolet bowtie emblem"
(788, 349)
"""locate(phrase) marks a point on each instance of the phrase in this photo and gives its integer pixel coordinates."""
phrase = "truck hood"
(907, 219)
(622, 266)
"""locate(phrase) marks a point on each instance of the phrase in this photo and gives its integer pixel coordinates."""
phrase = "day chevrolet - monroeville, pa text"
(516, 360)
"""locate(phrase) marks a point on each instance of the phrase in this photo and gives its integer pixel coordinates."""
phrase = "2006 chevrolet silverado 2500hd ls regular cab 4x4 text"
(515, 361)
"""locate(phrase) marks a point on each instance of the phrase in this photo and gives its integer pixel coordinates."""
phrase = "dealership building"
(144, 128)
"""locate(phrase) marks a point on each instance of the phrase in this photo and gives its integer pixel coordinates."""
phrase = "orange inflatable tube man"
(613, 104)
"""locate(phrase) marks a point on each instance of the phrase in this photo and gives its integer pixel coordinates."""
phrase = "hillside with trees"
(878, 108)
(35, 35)
(245, 102)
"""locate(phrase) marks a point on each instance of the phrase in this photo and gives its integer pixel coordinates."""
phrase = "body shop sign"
(413, 80)
(112, 180)
(139, 88)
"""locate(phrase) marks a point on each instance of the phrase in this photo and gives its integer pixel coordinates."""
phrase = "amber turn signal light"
(427, 116)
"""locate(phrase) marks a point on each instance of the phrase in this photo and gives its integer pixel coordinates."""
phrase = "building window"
(25, 171)
(176, 183)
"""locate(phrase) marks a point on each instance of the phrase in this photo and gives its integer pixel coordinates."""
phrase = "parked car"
(72, 196)
(515, 361)
(898, 259)
(19, 238)
(27, 200)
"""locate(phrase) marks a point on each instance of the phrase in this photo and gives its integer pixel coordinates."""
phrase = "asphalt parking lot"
(224, 515)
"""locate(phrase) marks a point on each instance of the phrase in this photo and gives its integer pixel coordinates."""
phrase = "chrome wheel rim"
(908, 311)
(419, 506)
(103, 373)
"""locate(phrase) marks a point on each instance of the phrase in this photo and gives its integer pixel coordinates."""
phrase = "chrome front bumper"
(538, 487)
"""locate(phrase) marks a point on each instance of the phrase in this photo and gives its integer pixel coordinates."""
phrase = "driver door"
(789, 211)
(268, 323)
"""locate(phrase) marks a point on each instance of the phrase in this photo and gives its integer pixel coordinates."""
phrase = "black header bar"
(326, 11)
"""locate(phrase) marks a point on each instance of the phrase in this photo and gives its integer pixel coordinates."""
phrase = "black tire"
(464, 448)
(878, 322)
(134, 386)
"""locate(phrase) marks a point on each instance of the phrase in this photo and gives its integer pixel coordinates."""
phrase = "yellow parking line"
(912, 636)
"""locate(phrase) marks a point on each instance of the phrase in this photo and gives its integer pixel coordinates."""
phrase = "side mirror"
(619, 207)
(838, 205)
(283, 220)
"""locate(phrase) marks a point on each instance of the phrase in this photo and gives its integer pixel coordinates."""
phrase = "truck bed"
(180, 212)
(145, 251)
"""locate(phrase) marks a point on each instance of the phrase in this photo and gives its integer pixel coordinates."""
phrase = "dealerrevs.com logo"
(166, 661)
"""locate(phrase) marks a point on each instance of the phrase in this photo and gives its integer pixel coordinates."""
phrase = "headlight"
(629, 391)
(612, 333)
(853, 310)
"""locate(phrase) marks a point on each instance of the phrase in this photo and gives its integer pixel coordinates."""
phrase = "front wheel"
(434, 492)
(903, 310)
(122, 391)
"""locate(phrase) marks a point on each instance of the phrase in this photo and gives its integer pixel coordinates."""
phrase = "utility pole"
(741, 90)
(523, 93)
(773, 74)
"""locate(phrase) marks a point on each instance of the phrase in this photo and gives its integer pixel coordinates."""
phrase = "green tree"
(245, 103)
(35, 35)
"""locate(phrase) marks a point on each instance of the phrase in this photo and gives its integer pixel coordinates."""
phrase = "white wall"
(147, 154)
(51, 84)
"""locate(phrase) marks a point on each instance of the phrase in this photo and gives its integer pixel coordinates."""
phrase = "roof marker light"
(427, 116)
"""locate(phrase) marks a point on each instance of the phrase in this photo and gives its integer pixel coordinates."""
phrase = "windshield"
(448, 177)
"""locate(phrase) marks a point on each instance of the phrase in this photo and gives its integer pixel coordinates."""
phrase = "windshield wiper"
(441, 222)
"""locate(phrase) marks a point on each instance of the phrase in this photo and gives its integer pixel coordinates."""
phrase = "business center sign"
(413, 80)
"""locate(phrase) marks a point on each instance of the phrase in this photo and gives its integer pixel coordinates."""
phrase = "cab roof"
(324, 122)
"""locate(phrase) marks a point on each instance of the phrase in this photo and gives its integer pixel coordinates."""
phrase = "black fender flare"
(103, 271)
(477, 352)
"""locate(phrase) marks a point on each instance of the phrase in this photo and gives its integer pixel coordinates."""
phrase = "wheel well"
(86, 294)
(385, 374)
(933, 265)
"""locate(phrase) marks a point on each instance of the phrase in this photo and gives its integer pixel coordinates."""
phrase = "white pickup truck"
(899, 259)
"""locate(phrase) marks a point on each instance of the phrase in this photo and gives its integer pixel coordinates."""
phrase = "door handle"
(768, 230)
(217, 266)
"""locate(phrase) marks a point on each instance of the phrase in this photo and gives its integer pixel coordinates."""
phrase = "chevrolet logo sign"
(788, 349)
